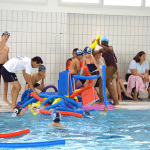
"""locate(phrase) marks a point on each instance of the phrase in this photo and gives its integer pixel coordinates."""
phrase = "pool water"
(118, 129)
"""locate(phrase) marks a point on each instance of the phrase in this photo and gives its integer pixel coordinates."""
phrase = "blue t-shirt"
(140, 68)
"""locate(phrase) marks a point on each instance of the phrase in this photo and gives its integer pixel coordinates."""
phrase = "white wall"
(36, 30)
(54, 7)
(127, 34)
(36, 34)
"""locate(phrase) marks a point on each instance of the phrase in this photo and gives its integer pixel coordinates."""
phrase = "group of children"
(94, 64)
(8, 68)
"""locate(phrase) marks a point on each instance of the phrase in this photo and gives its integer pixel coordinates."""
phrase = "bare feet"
(6, 101)
(128, 95)
(136, 99)
(120, 100)
(116, 103)
(105, 109)
(99, 102)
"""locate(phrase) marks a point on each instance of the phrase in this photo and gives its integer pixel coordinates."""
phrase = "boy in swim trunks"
(37, 77)
(70, 59)
(4, 50)
(20, 63)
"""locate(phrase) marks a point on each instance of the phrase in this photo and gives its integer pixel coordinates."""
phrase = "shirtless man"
(75, 66)
(4, 50)
(37, 77)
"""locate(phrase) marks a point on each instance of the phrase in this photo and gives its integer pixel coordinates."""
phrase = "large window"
(147, 3)
(82, 1)
(123, 2)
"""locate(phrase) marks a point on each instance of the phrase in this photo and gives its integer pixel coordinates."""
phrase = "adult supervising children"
(4, 50)
(20, 63)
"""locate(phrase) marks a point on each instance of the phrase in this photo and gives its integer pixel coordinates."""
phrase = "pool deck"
(124, 105)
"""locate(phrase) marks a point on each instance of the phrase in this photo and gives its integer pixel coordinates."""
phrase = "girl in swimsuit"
(108, 55)
(92, 65)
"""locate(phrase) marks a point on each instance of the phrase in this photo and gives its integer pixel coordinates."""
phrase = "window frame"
(45, 2)
(101, 5)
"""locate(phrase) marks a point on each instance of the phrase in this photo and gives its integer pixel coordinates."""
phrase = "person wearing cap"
(56, 119)
(108, 55)
(4, 50)
(18, 111)
(92, 65)
(70, 59)
(75, 66)
(37, 77)
(20, 63)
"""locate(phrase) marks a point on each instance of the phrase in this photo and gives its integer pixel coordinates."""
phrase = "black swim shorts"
(8, 76)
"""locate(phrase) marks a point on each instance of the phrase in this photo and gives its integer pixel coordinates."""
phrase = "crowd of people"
(137, 75)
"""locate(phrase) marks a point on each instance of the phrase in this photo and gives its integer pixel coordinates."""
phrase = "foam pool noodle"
(95, 43)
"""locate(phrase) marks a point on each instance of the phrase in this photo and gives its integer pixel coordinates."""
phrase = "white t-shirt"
(140, 68)
(18, 64)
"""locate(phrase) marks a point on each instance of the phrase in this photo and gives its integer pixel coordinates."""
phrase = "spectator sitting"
(138, 73)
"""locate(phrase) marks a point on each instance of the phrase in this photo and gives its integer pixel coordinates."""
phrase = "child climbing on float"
(92, 65)
(75, 66)
(117, 83)
(37, 77)
(100, 63)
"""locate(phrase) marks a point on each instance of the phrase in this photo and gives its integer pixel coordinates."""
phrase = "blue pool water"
(119, 129)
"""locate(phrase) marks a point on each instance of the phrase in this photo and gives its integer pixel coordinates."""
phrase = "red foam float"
(38, 98)
(62, 113)
(12, 134)
(80, 91)
(87, 73)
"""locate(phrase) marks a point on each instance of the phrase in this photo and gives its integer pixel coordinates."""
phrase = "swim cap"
(79, 52)
(56, 117)
(42, 67)
(87, 50)
(104, 38)
(5, 33)
(16, 111)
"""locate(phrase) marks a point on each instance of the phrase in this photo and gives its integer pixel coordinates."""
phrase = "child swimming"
(18, 111)
(56, 119)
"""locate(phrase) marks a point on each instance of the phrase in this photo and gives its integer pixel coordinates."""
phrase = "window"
(38, 2)
(123, 2)
(147, 3)
(82, 1)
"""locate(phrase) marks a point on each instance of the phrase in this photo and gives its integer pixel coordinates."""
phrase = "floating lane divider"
(12, 134)
(35, 144)
(62, 113)
(38, 98)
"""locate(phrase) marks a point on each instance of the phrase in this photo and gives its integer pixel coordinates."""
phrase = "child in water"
(56, 119)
